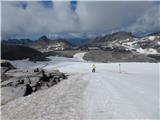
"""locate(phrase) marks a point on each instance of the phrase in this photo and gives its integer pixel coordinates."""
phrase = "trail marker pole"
(119, 68)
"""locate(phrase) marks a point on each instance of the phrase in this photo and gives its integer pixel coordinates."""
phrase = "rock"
(29, 82)
(36, 70)
(155, 56)
(5, 76)
(6, 65)
(28, 90)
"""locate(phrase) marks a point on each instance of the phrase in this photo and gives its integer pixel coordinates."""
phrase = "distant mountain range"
(125, 41)
(17, 41)
(42, 44)
(118, 46)
(45, 44)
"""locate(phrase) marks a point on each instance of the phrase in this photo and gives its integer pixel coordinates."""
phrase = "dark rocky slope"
(17, 52)
(112, 56)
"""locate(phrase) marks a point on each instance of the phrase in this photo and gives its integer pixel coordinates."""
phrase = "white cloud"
(109, 15)
(88, 17)
(149, 22)
(36, 18)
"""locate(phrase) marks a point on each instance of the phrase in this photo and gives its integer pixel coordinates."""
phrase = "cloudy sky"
(39, 18)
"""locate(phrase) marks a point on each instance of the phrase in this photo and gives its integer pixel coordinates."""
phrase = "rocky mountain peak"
(43, 38)
(118, 35)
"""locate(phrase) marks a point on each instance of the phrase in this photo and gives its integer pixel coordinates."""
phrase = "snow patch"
(147, 51)
(151, 37)
(79, 56)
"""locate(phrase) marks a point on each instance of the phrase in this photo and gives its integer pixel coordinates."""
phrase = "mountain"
(124, 41)
(104, 40)
(17, 52)
(77, 41)
(41, 44)
(45, 44)
(43, 40)
(17, 41)
(118, 41)
(154, 34)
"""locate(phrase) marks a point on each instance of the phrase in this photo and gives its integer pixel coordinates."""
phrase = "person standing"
(93, 68)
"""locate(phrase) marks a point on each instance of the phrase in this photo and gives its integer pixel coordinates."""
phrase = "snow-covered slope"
(127, 42)
(147, 45)
(79, 56)
(105, 94)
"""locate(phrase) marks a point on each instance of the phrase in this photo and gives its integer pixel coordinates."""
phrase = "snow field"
(105, 94)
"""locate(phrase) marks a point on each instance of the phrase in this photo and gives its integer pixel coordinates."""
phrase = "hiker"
(93, 68)
(28, 90)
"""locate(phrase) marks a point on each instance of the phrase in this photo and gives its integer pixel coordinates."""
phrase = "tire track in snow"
(108, 96)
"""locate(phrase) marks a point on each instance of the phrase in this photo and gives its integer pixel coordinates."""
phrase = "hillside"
(45, 44)
(17, 52)
(42, 44)
(104, 40)
(118, 56)
(17, 41)
(126, 41)
(116, 47)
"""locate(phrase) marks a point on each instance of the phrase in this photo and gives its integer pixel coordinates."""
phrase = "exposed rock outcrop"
(117, 56)
(18, 52)
(6, 65)
(25, 82)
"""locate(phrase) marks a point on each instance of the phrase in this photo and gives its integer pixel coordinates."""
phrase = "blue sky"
(77, 18)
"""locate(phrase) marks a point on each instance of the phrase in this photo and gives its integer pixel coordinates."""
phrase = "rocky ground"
(17, 82)
(111, 56)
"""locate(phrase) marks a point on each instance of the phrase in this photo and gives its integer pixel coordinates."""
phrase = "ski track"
(132, 94)
(106, 94)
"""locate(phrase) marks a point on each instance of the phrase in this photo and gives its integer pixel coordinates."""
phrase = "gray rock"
(15, 86)
(6, 66)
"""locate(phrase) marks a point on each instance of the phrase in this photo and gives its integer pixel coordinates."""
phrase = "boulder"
(6, 65)
(30, 81)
